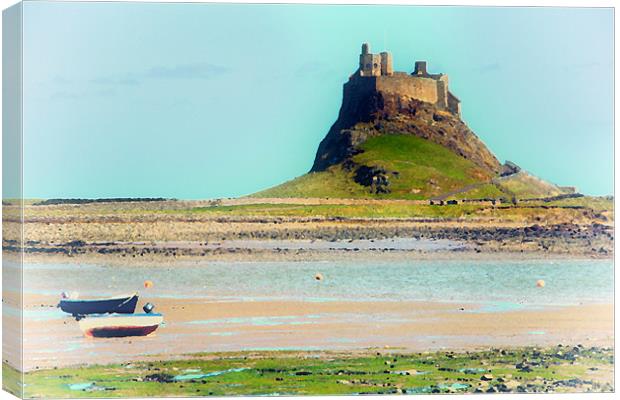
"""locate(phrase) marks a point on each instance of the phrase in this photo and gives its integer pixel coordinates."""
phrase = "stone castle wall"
(360, 92)
(454, 104)
(402, 84)
(376, 75)
(421, 88)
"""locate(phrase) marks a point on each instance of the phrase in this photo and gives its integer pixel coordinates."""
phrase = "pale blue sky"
(200, 101)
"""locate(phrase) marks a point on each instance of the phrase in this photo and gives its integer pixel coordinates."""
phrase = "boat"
(125, 304)
(120, 325)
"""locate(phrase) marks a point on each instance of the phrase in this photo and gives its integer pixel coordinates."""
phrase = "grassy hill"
(417, 169)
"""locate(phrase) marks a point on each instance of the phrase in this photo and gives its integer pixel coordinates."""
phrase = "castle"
(376, 73)
(377, 100)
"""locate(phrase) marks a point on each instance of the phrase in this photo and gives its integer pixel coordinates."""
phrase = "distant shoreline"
(242, 229)
(125, 256)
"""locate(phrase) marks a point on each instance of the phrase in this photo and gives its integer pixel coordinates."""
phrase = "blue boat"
(118, 305)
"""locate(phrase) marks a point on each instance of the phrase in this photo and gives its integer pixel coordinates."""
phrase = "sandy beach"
(204, 325)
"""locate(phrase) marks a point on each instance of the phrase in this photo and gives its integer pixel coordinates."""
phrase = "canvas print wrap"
(235, 199)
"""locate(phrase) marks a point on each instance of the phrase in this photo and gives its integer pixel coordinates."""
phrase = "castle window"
(375, 65)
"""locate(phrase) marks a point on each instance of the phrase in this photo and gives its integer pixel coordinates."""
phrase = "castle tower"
(386, 64)
(420, 68)
(370, 64)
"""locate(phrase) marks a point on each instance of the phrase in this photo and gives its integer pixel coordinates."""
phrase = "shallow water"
(476, 287)
(194, 375)
(503, 285)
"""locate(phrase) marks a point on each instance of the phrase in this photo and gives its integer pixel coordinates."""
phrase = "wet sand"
(206, 326)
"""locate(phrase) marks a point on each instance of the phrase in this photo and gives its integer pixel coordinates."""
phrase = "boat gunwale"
(123, 297)
(120, 315)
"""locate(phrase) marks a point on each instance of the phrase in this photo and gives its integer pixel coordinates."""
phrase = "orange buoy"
(540, 283)
(148, 284)
(318, 277)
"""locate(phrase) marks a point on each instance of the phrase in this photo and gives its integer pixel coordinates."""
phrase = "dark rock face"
(374, 177)
(366, 113)
(509, 168)
(159, 377)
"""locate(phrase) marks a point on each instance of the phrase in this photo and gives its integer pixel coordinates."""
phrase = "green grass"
(422, 165)
(425, 169)
(484, 191)
(344, 211)
(526, 186)
(380, 210)
(371, 210)
(596, 203)
(391, 210)
(292, 373)
(333, 183)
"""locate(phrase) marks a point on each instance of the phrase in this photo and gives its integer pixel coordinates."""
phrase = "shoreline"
(133, 255)
(239, 230)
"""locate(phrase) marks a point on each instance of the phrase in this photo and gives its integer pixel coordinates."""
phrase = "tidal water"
(233, 306)
(567, 282)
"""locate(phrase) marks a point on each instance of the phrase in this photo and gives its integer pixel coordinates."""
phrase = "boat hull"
(120, 331)
(120, 325)
(121, 305)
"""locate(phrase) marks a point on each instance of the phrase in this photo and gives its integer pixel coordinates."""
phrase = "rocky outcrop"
(509, 168)
(366, 112)
(376, 178)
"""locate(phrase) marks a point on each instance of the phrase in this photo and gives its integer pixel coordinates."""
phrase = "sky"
(196, 101)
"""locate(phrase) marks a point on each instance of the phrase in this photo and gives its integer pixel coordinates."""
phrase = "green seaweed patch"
(556, 369)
